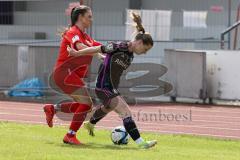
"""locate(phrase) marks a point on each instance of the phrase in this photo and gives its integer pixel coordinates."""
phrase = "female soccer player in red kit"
(69, 71)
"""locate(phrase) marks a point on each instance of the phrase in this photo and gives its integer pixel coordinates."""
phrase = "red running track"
(213, 121)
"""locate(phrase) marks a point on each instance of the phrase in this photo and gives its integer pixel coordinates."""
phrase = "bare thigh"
(82, 96)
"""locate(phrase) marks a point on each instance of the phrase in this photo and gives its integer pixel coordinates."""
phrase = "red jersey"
(73, 36)
(69, 71)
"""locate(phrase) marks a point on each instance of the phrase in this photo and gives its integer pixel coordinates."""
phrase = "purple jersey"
(118, 59)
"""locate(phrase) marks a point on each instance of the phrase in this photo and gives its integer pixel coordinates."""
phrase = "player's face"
(140, 48)
(86, 19)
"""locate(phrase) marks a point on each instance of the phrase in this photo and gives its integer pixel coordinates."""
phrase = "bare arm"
(80, 46)
(84, 51)
(109, 48)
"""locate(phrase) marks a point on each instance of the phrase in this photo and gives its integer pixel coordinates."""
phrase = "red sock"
(79, 116)
(70, 107)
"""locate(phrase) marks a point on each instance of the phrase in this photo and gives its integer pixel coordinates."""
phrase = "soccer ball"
(119, 135)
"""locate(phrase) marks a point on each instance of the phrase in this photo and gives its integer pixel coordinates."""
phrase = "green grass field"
(33, 142)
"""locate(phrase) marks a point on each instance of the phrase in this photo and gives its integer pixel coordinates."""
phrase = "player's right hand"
(71, 51)
(101, 56)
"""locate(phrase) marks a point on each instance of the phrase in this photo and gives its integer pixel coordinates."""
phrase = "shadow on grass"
(98, 146)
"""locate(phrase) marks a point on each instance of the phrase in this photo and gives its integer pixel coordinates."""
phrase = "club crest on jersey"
(75, 39)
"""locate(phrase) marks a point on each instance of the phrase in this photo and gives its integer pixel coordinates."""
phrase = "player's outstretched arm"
(85, 51)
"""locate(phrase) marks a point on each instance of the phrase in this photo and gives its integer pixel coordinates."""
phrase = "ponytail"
(137, 19)
(141, 34)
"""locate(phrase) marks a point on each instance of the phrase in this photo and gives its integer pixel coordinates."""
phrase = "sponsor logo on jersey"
(121, 63)
(75, 39)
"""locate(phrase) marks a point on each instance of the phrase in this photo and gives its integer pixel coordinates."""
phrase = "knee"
(82, 100)
(125, 115)
(90, 104)
(107, 109)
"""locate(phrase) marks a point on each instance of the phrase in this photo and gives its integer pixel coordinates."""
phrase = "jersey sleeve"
(112, 47)
(96, 43)
(73, 39)
(109, 48)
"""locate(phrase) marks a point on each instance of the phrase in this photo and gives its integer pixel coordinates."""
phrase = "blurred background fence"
(29, 42)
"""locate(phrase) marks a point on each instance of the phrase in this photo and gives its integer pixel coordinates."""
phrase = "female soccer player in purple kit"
(119, 56)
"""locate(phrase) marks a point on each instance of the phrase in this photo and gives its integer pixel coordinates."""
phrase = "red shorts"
(68, 77)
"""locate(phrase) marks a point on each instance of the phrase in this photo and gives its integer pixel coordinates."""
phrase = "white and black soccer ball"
(119, 135)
